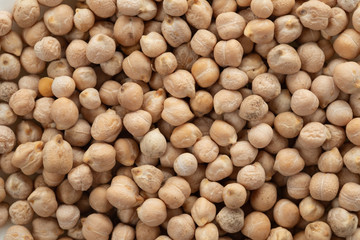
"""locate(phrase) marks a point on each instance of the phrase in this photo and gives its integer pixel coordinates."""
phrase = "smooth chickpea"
(246, 176)
(256, 226)
(230, 25)
(223, 133)
(81, 177)
(324, 186)
(352, 131)
(337, 22)
(260, 30)
(318, 230)
(174, 192)
(228, 53)
(203, 42)
(67, 216)
(59, 20)
(344, 44)
(4, 213)
(64, 113)
(243, 153)
(288, 162)
(176, 111)
(298, 185)
(8, 117)
(170, 25)
(199, 14)
(263, 198)
(41, 197)
(304, 102)
(143, 67)
(181, 227)
(347, 196)
(97, 226)
(311, 56)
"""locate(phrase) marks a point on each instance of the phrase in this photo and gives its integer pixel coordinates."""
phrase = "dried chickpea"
(176, 111)
(223, 133)
(84, 19)
(344, 45)
(28, 157)
(352, 131)
(100, 43)
(18, 186)
(304, 102)
(339, 108)
(181, 227)
(284, 59)
(148, 178)
(230, 25)
(185, 164)
(180, 84)
(97, 226)
(260, 135)
(98, 200)
(348, 6)
(318, 230)
(319, 21)
(201, 103)
(67, 216)
(6, 22)
(311, 56)
(253, 107)
(260, 30)
(242, 153)
(348, 196)
(106, 126)
(246, 176)
(80, 177)
(152, 212)
(324, 186)
(288, 162)
(26, 13)
(64, 113)
(175, 8)
(228, 53)
(142, 71)
(63, 86)
(342, 222)
(7, 116)
(128, 30)
(7, 89)
(127, 151)
(256, 226)
(4, 213)
(203, 42)
(337, 22)
(219, 169)
(18, 232)
(234, 195)
(174, 192)
(7, 139)
(100, 157)
(123, 231)
(43, 201)
(175, 30)
(11, 43)
(199, 14)
(263, 198)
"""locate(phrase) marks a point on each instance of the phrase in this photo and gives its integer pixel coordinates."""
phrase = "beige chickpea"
(123, 231)
(318, 230)
(21, 213)
(108, 92)
(352, 131)
(337, 137)
(228, 53)
(262, 9)
(67, 216)
(6, 22)
(337, 22)
(348, 6)
(22, 101)
(128, 30)
(339, 108)
(304, 102)
(342, 78)
(324, 186)
(64, 113)
(230, 220)
(267, 86)
(350, 159)
(311, 209)
(28, 157)
(81, 177)
(100, 43)
(152, 212)
(230, 25)
(252, 108)
(185, 164)
(280, 232)
(98, 200)
(286, 213)
(330, 161)
(11, 43)
(220, 6)
(287, 28)
(84, 77)
(327, 48)
(57, 155)
(4, 213)
(201, 103)
(233, 78)
(7, 167)
(63, 86)
(175, 8)
(311, 56)
(153, 44)
(174, 192)
(28, 131)
(347, 196)
(59, 68)
(59, 19)
(123, 193)
(243, 153)
(97, 226)
(35, 33)
(7, 139)
(43, 201)
(300, 80)
(137, 123)
(267, 161)
(18, 186)
(153, 144)
(148, 178)
(208, 231)
(288, 162)
(103, 9)
(223, 133)
(284, 59)
(153, 26)
(106, 126)
(143, 231)
(185, 56)
(84, 19)
(344, 44)
(205, 149)
(205, 71)
(29, 82)
(325, 90)
(10, 66)
(181, 227)
(315, 22)
(102, 27)
(260, 30)
(7, 89)
(246, 176)
(76, 53)
(264, 198)
(256, 226)
(260, 135)
(78, 135)
(298, 185)
(8, 117)
(199, 14)
(127, 151)
(176, 111)
(100, 157)
(234, 195)
(172, 25)
(153, 103)
(203, 42)
(288, 124)
(90, 98)
(180, 84)
(219, 169)
(342, 222)
(26, 13)
(281, 103)
(137, 66)
(226, 101)
(17, 232)
(48, 49)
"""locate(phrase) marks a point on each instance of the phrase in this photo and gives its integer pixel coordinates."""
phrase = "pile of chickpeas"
(180, 119)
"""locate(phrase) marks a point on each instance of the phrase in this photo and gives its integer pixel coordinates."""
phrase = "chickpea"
(97, 226)
(26, 13)
(4, 213)
(185, 56)
(304, 102)
(287, 29)
(7, 116)
(7, 89)
(203, 42)
(347, 196)
(153, 144)
(325, 90)
(28, 157)
(324, 186)
(181, 227)
(219, 169)
(67, 216)
(6, 22)
(315, 22)
(17, 232)
(256, 226)
(228, 53)
(122, 231)
(174, 192)
(59, 19)
(100, 43)
(260, 30)
(148, 178)
(127, 151)
(152, 212)
(18, 186)
(223, 133)
(246, 176)
(230, 25)
(243, 153)
(298, 185)
(342, 108)
(59, 68)
(337, 22)
(252, 108)
(310, 209)
(176, 111)
(318, 230)
(11, 43)
(76, 53)
(43, 201)
(288, 162)
(234, 195)
(100, 157)
(153, 44)
(342, 222)
(2, 190)
(284, 59)
(143, 67)
(81, 177)
(7, 139)
(170, 25)
(84, 19)
(311, 56)
(21, 212)
(175, 8)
